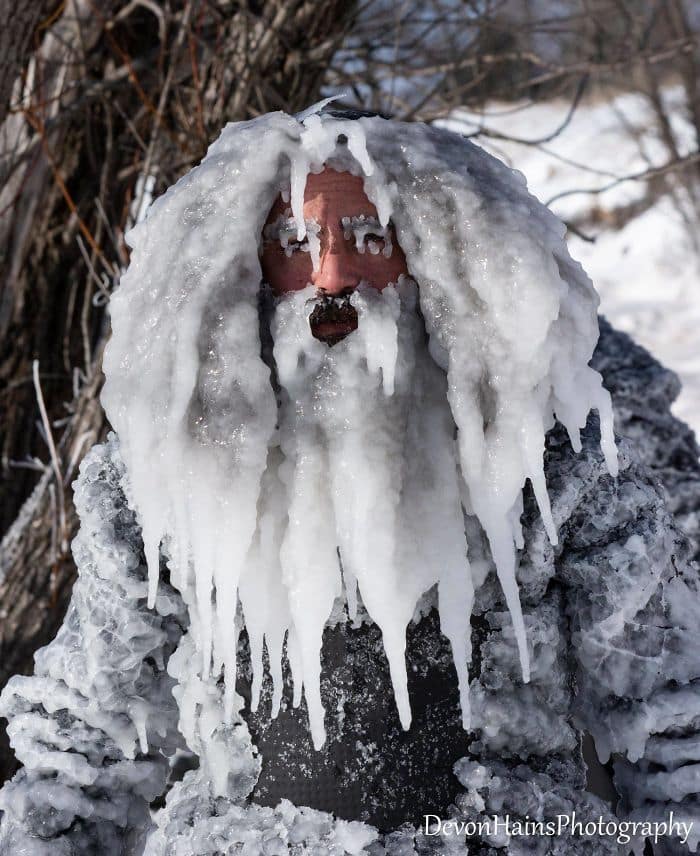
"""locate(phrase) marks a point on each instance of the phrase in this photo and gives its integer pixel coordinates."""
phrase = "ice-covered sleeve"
(95, 724)
(633, 605)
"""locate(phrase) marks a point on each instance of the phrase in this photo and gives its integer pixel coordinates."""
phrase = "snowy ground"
(646, 272)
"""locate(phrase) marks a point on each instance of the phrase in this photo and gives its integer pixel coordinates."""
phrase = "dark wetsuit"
(369, 768)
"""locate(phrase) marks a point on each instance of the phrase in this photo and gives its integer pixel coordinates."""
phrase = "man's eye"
(284, 231)
(368, 234)
(374, 243)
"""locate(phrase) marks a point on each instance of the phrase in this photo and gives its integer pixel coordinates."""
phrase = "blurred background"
(105, 103)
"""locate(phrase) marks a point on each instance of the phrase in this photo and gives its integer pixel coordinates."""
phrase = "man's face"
(352, 247)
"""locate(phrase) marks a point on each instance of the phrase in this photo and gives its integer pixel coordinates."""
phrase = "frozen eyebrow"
(284, 230)
(361, 226)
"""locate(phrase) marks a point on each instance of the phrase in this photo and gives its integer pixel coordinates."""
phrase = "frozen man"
(364, 546)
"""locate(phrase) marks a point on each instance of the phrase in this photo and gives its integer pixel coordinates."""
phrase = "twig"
(589, 239)
(644, 175)
(497, 135)
(54, 457)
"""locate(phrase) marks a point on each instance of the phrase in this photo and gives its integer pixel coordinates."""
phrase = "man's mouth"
(332, 319)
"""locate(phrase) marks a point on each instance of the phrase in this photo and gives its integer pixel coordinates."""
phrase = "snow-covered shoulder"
(94, 723)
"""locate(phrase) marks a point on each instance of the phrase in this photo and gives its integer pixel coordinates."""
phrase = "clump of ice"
(258, 498)
(368, 233)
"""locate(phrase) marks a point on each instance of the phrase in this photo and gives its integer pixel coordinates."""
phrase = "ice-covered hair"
(510, 318)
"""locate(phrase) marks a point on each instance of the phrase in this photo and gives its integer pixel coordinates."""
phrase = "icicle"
(181, 565)
(202, 514)
(299, 172)
(303, 115)
(514, 520)
(310, 573)
(274, 640)
(261, 590)
(456, 599)
(603, 405)
(151, 544)
(312, 236)
(149, 503)
(532, 442)
(357, 144)
(382, 349)
(394, 642)
(574, 433)
(237, 526)
(295, 666)
(256, 662)
(503, 551)
(138, 711)
(350, 585)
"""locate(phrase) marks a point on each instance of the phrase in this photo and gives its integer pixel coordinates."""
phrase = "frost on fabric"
(195, 823)
(511, 323)
(94, 723)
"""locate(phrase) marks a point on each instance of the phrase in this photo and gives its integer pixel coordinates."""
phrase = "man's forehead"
(340, 193)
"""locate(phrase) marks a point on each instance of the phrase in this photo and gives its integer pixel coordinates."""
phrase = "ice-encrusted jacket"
(613, 624)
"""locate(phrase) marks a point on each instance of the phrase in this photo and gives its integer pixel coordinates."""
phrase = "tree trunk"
(117, 99)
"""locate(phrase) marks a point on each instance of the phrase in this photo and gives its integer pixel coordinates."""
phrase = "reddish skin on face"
(328, 197)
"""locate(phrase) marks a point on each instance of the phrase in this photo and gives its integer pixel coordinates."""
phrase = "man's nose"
(335, 273)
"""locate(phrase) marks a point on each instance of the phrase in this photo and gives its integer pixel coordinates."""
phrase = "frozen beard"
(363, 494)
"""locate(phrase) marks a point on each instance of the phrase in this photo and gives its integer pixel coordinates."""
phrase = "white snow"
(646, 272)
(255, 495)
